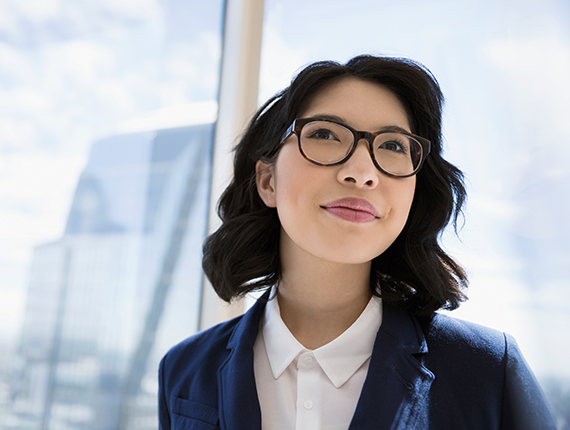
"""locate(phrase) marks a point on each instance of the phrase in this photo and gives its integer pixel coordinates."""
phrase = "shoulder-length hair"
(414, 272)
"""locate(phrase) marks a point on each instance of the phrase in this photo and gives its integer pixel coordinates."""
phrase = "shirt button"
(308, 404)
(308, 360)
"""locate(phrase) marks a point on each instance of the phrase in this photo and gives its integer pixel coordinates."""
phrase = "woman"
(338, 198)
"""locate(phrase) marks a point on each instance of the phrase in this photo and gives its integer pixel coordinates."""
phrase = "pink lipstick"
(352, 209)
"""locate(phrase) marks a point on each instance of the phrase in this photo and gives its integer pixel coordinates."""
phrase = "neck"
(319, 300)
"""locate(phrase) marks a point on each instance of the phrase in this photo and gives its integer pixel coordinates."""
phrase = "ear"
(265, 180)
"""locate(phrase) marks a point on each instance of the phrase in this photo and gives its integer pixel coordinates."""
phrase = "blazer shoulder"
(490, 358)
(204, 345)
(188, 376)
(443, 331)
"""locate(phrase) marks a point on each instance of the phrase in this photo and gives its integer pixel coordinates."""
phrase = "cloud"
(81, 61)
(35, 195)
(279, 60)
(498, 209)
(15, 13)
(142, 10)
(535, 68)
(32, 22)
(204, 112)
(192, 69)
(17, 134)
(15, 68)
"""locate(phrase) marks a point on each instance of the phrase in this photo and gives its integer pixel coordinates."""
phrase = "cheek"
(293, 176)
(407, 196)
(295, 198)
(402, 196)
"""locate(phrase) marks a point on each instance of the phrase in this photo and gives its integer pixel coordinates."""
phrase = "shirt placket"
(308, 395)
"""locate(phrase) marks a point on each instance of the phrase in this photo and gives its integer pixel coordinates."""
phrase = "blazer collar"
(394, 395)
(239, 406)
(395, 392)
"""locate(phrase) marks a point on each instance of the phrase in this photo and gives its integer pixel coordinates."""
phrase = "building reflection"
(122, 285)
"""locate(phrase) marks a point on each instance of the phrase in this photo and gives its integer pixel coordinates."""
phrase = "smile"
(353, 210)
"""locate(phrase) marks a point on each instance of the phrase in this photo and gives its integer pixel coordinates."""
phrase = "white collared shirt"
(317, 389)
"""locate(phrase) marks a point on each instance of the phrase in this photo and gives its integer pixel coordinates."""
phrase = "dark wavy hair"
(414, 272)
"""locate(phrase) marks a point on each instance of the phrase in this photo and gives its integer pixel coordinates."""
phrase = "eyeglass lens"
(327, 143)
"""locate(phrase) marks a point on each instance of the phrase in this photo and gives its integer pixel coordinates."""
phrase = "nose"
(359, 170)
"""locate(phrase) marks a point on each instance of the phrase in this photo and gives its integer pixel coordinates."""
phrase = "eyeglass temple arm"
(288, 132)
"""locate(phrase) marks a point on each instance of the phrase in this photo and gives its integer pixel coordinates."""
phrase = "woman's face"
(349, 213)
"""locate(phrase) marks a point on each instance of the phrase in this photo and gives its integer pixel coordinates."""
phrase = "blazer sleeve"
(163, 414)
(524, 404)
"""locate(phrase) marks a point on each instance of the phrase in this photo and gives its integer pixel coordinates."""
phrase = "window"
(108, 112)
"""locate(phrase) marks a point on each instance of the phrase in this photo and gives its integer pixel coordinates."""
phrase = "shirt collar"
(280, 344)
(339, 359)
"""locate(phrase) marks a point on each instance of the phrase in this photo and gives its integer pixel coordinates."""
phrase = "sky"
(74, 71)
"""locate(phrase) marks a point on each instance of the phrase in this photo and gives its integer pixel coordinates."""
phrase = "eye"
(323, 134)
(394, 146)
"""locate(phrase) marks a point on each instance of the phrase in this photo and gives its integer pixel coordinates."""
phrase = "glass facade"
(107, 112)
(121, 286)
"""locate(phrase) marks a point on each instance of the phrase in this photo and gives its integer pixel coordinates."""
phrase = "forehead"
(362, 104)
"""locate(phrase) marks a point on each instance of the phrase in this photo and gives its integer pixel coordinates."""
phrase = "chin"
(350, 259)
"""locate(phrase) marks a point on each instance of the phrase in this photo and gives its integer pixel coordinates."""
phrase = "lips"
(352, 209)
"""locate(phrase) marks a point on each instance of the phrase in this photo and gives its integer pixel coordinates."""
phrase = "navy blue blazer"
(440, 373)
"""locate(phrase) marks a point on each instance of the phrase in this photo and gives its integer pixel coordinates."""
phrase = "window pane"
(503, 67)
(107, 112)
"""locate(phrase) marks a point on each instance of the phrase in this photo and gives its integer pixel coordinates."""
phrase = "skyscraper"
(122, 284)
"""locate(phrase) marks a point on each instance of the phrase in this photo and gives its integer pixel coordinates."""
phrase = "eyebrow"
(342, 121)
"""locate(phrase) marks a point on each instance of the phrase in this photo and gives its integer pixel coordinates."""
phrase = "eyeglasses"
(323, 142)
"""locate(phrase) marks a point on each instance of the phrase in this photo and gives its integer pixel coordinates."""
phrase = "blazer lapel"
(239, 405)
(395, 393)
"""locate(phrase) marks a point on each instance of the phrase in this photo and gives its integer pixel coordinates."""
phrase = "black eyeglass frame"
(299, 123)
